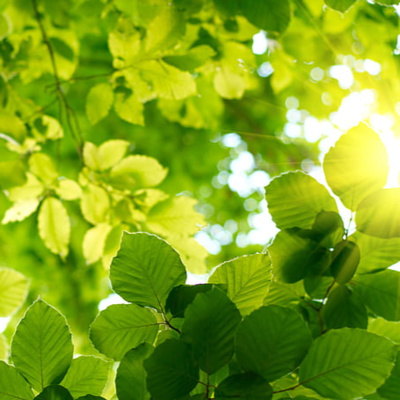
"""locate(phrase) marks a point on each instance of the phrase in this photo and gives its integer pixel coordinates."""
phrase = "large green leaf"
(54, 392)
(295, 256)
(344, 309)
(356, 166)
(13, 290)
(378, 214)
(376, 253)
(382, 327)
(347, 363)
(391, 389)
(86, 375)
(247, 386)
(12, 385)
(146, 269)
(272, 341)
(121, 327)
(246, 279)
(131, 375)
(209, 327)
(340, 5)
(171, 370)
(380, 292)
(295, 199)
(271, 15)
(283, 294)
(41, 348)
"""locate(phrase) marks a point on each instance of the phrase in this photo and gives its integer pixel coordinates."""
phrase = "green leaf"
(122, 327)
(294, 257)
(246, 279)
(54, 226)
(94, 242)
(171, 371)
(106, 155)
(247, 386)
(378, 214)
(194, 58)
(340, 5)
(68, 189)
(356, 166)
(347, 363)
(272, 16)
(283, 294)
(344, 309)
(376, 253)
(86, 375)
(380, 292)
(295, 199)
(137, 172)
(42, 166)
(209, 328)
(13, 385)
(272, 341)
(328, 228)
(31, 189)
(41, 348)
(20, 210)
(167, 81)
(228, 83)
(98, 102)
(129, 108)
(146, 269)
(228, 9)
(131, 375)
(54, 392)
(391, 389)
(13, 291)
(181, 296)
(382, 327)
(3, 348)
(176, 215)
(345, 260)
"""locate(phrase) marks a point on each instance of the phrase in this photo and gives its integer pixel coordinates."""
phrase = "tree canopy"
(205, 124)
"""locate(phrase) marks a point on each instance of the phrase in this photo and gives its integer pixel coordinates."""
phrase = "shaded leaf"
(340, 5)
(345, 260)
(54, 392)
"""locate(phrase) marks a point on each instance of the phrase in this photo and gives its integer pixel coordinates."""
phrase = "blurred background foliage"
(225, 95)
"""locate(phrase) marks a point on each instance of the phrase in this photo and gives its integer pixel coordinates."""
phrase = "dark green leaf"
(272, 341)
(328, 225)
(131, 375)
(347, 363)
(345, 260)
(247, 386)
(210, 324)
(391, 389)
(121, 327)
(171, 371)
(146, 269)
(54, 392)
(340, 5)
(344, 309)
(380, 292)
(42, 348)
(378, 214)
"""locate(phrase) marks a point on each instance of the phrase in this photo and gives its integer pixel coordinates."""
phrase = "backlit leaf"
(129, 108)
(122, 327)
(347, 363)
(98, 102)
(146, 269)
(41, 348)
(95, 204)
(295, 199)
(94, 242)
(246, 279)
(12, 385)
(20, 210)
(3, 348)
(42, 166)
(68, 189)
(54, 226)
(13, 290)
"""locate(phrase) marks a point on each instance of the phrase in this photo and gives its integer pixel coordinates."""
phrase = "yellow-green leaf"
(13, 290)
(137, 171)
(31, 189)
(3, 348)
(20, 210)
(95, 204)
(98, 102)
(42, 166)
(68, 189)
(54, 226)
(106, 155)
(94, 242)
(129, 108)
(228, 83)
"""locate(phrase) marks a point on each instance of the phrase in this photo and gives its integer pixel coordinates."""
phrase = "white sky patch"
(265, 69)
(260, 43)
(3, 323)
(113, 298)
